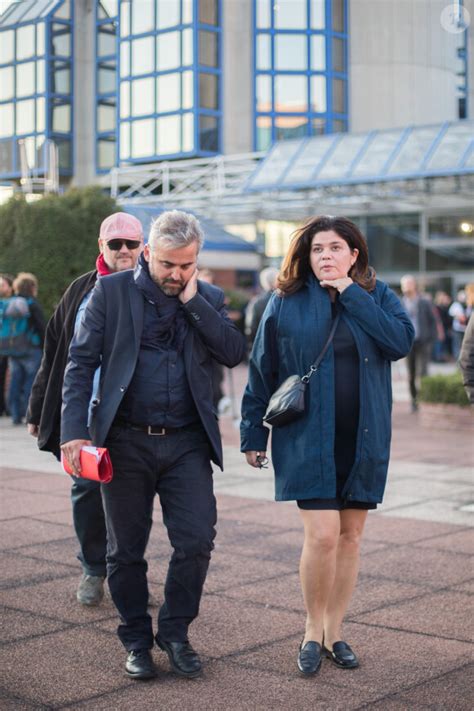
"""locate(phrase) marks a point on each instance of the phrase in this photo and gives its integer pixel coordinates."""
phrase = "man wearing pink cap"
(120, 244)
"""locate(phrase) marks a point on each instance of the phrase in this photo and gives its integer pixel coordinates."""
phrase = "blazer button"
(366, 360)
(122, 389)
(366, 430)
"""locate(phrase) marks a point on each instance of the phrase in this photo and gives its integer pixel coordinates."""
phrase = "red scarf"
(101, 266)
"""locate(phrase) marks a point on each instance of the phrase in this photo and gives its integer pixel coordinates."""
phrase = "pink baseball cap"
(121, 225)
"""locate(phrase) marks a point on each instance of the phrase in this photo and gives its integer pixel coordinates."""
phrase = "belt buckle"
(156, 434)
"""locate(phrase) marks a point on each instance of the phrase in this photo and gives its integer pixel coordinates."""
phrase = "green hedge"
(444, 389)
(55, 238)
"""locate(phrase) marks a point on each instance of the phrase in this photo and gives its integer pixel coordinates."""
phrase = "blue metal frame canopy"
(378, 156)
(27, 11)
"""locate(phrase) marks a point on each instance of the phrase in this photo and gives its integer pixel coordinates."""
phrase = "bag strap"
(316, 364)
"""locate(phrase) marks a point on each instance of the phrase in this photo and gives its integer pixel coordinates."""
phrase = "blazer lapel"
(137, 309)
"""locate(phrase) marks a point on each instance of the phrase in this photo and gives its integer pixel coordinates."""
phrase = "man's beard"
(169, 286)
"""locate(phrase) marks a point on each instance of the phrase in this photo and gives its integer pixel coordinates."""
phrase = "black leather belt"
(157, 430)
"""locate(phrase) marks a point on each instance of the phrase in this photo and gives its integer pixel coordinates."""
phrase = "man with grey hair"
(421, 314)
(154, 332)
(257, 305)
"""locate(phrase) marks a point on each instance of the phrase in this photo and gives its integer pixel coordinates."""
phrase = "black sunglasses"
(116, 244)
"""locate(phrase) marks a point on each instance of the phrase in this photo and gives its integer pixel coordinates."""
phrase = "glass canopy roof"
(27, 11)
(377, 156)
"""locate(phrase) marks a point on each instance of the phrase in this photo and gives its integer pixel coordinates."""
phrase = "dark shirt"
(346, 386)
(159, 392)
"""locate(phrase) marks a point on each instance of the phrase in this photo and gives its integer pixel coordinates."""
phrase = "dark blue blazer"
(109, 337)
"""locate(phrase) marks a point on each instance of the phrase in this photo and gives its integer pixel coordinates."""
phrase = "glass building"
(36, 91)
(157, 90)
(300, 69)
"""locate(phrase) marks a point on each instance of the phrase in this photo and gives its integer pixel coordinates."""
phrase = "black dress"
(346, 398)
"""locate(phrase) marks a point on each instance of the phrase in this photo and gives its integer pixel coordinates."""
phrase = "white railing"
(173, 182)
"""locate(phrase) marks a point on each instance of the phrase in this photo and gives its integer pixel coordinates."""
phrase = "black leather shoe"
(342, 655)
(139, 664)
(309, 658)
(183, 659)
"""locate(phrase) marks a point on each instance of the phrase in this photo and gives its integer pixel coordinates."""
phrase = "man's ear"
(146, 252)
(101, 246)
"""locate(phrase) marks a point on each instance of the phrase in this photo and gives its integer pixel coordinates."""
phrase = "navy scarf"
(165, 325)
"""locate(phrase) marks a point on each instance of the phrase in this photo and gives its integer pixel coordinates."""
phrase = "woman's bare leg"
(345, 578)
(318, 567)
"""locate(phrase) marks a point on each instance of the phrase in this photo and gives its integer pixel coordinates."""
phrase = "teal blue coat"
(291, 334)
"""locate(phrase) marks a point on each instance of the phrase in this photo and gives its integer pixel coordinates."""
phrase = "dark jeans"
(177, 468)
(417, 363)
(22, 373)
(3, 379)
(89, 524)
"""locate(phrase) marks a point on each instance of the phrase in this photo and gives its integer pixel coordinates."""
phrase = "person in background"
(120, 244)
(6, 290)
(443, 349)
(257, 305)
(420, 311)
(459, 312)
(333, 460)
(466, 359)
(24, 367)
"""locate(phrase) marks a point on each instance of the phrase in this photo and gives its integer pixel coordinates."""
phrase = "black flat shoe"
(183, 658)
(342, 656)
(139, 664)
(309, 658)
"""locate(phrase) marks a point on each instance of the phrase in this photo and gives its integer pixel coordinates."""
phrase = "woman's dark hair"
(296, 265)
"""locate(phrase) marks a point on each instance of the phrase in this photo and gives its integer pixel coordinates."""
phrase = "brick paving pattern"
(410, 619)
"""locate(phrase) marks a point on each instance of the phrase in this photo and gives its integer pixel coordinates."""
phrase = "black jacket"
(44, 407)
(110, 335)
(466, 360)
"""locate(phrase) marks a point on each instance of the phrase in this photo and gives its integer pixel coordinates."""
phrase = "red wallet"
(95, 464)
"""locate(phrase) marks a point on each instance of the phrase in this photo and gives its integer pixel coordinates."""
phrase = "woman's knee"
(321, 540)
(350, 538)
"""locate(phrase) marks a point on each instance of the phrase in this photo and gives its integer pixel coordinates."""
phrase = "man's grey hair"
(268, 278)
(175, 229)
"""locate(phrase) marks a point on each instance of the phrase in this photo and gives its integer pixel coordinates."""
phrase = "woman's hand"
(256, 459)
(339, 284)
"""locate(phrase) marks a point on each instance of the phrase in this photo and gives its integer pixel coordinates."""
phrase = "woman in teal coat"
(333, 460)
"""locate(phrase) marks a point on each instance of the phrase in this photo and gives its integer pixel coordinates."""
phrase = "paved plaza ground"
(410, 620)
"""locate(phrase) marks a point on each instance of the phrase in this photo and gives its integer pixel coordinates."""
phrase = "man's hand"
(339, 284)
(33, 429)
(190, 290)
(255, 459)
(71, 451)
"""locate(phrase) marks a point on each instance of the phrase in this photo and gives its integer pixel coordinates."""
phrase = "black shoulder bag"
(288, 402)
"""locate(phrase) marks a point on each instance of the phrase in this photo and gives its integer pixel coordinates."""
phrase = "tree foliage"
(55, 238)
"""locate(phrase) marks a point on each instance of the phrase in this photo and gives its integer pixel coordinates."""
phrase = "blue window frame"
(36, 85)
(36, 104)
(169, 80)
(300, 69)
(106, 84)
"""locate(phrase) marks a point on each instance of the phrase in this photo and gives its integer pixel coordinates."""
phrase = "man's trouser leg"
(425, 357)
(187, 500)
(178, 467)
(89, 524)
(128, 506)
(411, 367)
